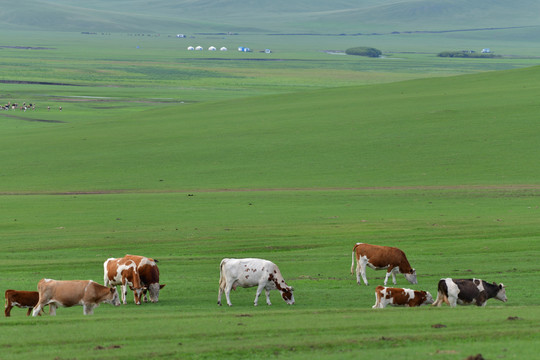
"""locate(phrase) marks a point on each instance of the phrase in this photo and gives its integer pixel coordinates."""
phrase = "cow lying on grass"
(87, 293)
(400, 297)
(249, 273)
(22, 299)
(468, 291)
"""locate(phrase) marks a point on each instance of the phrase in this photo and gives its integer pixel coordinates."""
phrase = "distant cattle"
(149, 275)
(400, 297)
(123, 272)
(21, 299)
(468, 291)
(68, 293)
(379, 258)
(249, 273)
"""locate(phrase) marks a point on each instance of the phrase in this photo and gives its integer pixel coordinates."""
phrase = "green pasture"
(192, 157)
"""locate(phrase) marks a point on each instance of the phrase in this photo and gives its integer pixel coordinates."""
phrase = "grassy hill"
(345, 16)
(466, 130)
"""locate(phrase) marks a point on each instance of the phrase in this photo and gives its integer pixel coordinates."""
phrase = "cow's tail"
(222, 278)
(442, 293)
(353, 258)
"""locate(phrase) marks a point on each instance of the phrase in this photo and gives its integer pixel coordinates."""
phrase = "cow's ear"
(162, 286)
(112, 290)
(494, 283)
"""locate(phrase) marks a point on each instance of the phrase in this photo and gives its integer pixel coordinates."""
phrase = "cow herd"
(393, 260)
(141, 275)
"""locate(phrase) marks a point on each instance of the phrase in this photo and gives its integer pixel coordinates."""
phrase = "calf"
(87, 293)
(468, 291)
(379, 258)
(400, 297)
(252, 272)
(149, 275)
(22, 299)
(123, 272)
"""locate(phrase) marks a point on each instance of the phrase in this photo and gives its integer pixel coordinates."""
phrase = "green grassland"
(190, 157)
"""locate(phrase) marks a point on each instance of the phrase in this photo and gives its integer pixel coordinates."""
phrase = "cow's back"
(67, 293)
(380, 256)
(247, 272)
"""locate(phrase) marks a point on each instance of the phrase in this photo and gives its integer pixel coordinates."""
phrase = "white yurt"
(223, 48)
(212, 48)
(190, 48)
(199, 48)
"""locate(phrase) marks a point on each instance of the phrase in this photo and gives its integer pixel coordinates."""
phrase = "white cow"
(249, 273)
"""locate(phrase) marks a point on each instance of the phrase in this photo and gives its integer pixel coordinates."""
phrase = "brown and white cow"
(149, 274)
(249, 273)
(123, 272)
(468, 291)
(379, 258)
(21, 299)
(400, 297)
(68, 293)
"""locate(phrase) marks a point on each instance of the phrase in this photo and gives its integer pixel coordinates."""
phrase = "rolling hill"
(344, 16)
(473, 129)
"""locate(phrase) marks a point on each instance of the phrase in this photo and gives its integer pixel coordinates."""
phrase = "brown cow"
(21, 299)
(123, 272)
(68, 293)
(400, 297)
(379, 258)
(149, 274)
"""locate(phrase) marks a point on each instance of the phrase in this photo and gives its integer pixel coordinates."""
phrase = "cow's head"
(411, 276)
(114, 298)
(501, 294)
(429, 299)
(153, 291)
(137, 293)
(287, 295)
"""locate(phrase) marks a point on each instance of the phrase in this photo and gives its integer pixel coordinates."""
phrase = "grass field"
(292, 160)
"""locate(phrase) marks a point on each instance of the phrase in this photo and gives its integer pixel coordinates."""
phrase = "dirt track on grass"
(191, 192)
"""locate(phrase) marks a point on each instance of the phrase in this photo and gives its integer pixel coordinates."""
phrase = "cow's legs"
(52, 309)
(88, 309)
(361, 270)
(259, 291)
(394, 275)
(8, 308)
(123, 288)
(220, 292)
(227, 294)
(267, 296)
(38, 308)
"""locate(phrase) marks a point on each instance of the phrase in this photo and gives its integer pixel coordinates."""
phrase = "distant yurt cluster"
(211, 48)
(223, 48)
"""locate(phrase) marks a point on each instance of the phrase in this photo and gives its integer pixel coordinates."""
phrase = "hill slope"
(262, 16)
(475, 129)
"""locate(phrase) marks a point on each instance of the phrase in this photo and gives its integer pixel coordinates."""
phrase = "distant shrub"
(364, 51)
(466, 54)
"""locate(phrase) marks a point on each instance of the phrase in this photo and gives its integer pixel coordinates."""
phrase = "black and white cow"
(468, 291)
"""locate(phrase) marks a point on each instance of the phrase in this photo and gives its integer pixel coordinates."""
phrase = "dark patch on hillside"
(30, 119)
(35, 83)
(26, 47)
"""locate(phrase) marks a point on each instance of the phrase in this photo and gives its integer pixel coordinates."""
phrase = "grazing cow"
(68, 293)
(379, 258)
(400, 297)
(123, 272)
(22, 299)
(468, 291)
(149, 274)
(252, 272)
